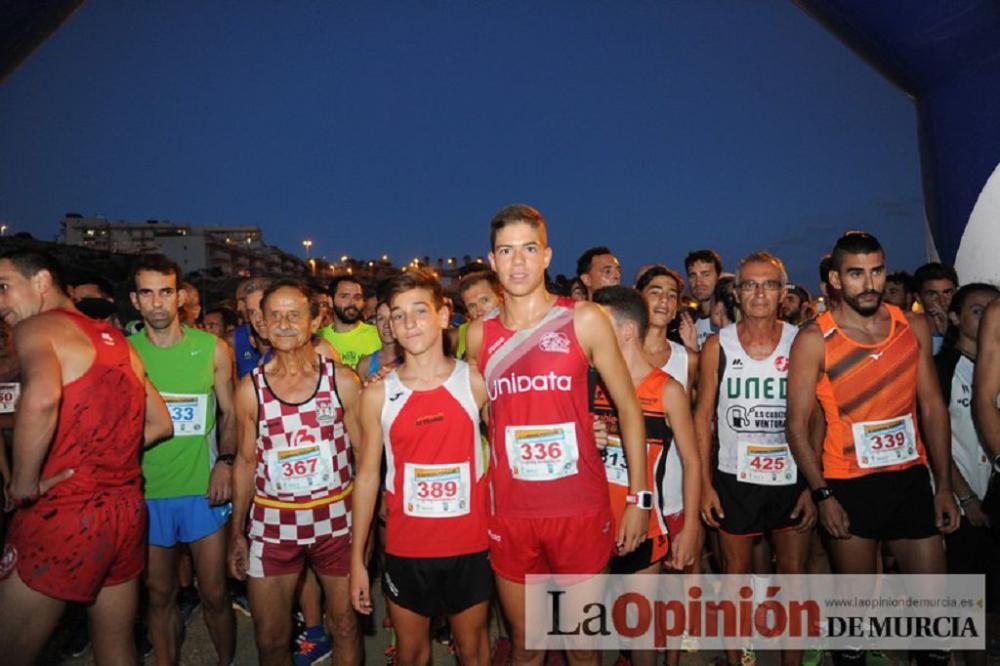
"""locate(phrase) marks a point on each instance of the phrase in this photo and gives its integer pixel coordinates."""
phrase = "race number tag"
(614, 461)
(436, 491)
(542, 453)
(765, 464)
(9, 393)
(302, 469)
(188, 412)
(883, 443)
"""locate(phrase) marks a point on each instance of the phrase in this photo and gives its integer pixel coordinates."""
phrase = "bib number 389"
(542, 453)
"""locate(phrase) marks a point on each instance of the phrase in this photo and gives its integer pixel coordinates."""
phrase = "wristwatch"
(642, 499)
(226, 458)
(821, 494)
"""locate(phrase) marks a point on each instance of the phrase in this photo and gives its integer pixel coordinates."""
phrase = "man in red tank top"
(551, 510)
(78, 533)
(424, 416)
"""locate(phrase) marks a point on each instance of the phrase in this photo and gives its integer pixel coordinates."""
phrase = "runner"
(754, 489)
(936, 284)
(795, 306)
(389, 355)
(667, 414)
(972, 548)
(986, 402)
(297, 416)
(349, 334)
(704, 267)
(425, 417)
(598, 267)
(871, 368)
(481, 294)
(899, 290)
(187, 492)
(551, 511)
(78, 532)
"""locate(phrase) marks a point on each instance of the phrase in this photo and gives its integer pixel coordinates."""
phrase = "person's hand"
(688, 332)
(633, 529)
(220, 484)
(946, 513)
(711, 507)
(805, 508)
(12, 493)
(938, 319)
(361, 597)
(378, 376)
(834, 519)
(684, 549)
(600, 433)
(239, 556)
(974, 513)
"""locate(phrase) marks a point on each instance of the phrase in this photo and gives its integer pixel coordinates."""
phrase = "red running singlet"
(545, 462)
(435, 477)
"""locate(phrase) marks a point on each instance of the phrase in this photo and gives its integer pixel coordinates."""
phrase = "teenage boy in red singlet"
(551, 510)
(425, 417)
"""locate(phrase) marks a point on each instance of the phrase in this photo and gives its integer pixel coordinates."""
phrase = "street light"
(307, 244)
(3, 229)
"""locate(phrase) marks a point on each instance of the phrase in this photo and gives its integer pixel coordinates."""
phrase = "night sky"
(401, 127)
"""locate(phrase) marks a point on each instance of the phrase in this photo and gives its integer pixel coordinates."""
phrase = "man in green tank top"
(187, 486)
(351, 337)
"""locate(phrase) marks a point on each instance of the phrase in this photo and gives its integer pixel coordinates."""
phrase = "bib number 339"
(542, 453)
(884, 443)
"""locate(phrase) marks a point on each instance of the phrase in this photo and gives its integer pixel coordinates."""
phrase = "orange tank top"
(869, 398)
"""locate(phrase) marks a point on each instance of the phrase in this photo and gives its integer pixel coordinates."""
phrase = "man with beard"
(598, 267)
(351, 337)
(870, 366)
(703, 270)
(78, 531)
(187, 494)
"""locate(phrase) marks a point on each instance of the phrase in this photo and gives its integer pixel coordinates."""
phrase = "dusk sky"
(401, 127)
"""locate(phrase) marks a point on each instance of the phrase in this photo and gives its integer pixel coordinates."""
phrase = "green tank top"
(184, 375)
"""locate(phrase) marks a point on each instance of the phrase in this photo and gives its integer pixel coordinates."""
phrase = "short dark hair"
(586, 260)
(853, 242)
(824, 269)
(657, 271)
(229, 316)
(30, 262)
(800, 291)
(966, 290)
(291, 283)
(102, 284)
(934, 270)
(902, 278)
(725, 295)
(422, 278)
(472, 279)
(155, 263)
(337, 281)
(517, 214)
(625, 303)
(707, 256)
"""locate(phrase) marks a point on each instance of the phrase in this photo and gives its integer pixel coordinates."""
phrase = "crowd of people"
(272, 457)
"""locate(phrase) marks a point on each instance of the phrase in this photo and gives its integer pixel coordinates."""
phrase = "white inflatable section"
(978, 258)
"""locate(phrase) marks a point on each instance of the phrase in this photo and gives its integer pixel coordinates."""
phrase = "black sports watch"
(226, 458)
(821, 494)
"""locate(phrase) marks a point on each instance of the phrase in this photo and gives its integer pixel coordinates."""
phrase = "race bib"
(614, 461)
(542, 453)
(302, 469)
(9, 393)
(884, 443)
(188, 412)
(436, 491)
(765, 464)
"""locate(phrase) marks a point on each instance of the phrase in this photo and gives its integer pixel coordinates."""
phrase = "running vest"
(751, 411)
(435, 480)
(247, 356)
(101, 423)
(673, 481)
(359, 341)
(659, 438)
(545, 462)
(869, 399)
(184, 374)
(303, 464)
(955, 371)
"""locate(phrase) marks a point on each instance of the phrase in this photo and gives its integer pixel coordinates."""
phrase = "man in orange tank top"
(79, 530)
(870, 366)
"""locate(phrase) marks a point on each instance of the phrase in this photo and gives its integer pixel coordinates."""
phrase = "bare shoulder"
(474, 339)
(372, 396)
(346, 377)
